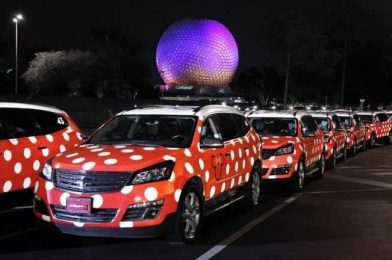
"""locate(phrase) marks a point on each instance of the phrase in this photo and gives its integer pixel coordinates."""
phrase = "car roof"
(278, 114)
(367, 113)
(200, 111)
(343, 112)
(322, 114)
(371, 112)
(30, 106)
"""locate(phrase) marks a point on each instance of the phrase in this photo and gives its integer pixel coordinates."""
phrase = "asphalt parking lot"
(345, 215)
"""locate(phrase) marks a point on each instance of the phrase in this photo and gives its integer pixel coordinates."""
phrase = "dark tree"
(295, 43)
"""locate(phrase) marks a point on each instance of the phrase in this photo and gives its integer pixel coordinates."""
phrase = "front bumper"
(137, 232)
(50, 200)
(280, 168)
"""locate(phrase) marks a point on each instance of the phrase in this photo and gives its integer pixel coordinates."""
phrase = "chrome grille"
(96, 215)
(90, 182)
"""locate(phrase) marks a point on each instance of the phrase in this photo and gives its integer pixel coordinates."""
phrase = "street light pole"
(15, 20)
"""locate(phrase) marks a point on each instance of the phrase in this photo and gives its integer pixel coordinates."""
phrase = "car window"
(225, 125)
(336, 121)
(346, 120)
(147, 130)
(366, 119)
(209, 130)
(16, 123)
(357, 120)
(49, 122)
(241, 125)
(275, 126)
(308, 124)
(381, 118)
(323, 123)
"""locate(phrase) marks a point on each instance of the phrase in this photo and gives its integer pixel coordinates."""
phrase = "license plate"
(79, 205)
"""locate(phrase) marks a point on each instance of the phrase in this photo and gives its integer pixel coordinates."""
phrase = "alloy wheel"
(191, 215)
(255, 189)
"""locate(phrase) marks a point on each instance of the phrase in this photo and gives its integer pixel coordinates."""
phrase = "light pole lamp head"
(15, 20)
(19, 17)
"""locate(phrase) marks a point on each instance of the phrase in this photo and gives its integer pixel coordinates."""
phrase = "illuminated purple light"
(197, 52)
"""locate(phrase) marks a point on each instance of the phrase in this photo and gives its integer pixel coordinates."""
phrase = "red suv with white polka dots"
(378, 127)
(29, 136)
(292, 146)
(334, 137)
(153, 171)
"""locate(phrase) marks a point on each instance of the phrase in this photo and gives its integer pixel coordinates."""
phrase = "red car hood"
(274, 142)
(114, 158)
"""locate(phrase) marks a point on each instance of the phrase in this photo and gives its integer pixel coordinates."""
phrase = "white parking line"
(233, 237)
(361, 181)
(370, 170)
(342, 191)
(363, 166)
(381, 173)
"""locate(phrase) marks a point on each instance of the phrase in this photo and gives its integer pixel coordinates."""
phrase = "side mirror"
(212, 143)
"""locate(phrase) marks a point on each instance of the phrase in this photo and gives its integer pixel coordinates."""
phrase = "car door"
(309, 137)
(231, 154)
(20, 156)
(379, 126)
(359, 129)
(212, 157)
(339, 133)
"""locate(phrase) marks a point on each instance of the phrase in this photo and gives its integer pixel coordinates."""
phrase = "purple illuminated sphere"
(197, 52)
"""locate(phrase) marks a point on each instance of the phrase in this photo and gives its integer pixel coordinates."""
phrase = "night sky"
(56, 25)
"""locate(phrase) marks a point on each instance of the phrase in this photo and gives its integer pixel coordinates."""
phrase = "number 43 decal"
(60, 121)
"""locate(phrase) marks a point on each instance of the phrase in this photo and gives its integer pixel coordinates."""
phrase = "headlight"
(285, 149)
(158, 172)
(47, 172)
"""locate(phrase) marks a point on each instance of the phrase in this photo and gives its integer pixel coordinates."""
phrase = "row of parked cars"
(160, 170)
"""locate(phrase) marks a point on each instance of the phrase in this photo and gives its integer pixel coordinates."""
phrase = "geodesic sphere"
(197, 52)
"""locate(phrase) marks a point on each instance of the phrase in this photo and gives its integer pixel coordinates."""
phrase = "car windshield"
(275, 126)
(389, 115)
(147, 130)
(367, 119)
(346, 121)
(323, 123)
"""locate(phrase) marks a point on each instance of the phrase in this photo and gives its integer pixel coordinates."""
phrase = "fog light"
(143, 210)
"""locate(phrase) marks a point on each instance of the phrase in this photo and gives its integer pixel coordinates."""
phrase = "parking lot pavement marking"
(361, 181)
(370, 170)
(381, 173)
(236, 235)
(15, 234)
(342, 191)
(356, 167)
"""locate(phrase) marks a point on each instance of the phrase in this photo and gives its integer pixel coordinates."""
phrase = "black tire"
(253, 192)
(372, 141)
(321, 165)
(344, 156)
(178, 234)
(389, 139)
(331, 164)
(297, 181)
(353, 151)
(363, 148)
